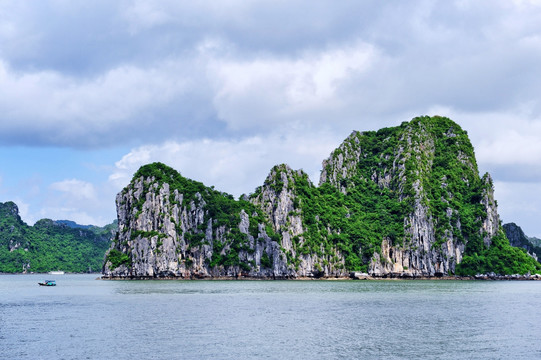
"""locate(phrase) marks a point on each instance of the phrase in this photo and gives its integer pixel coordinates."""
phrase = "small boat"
(56, 272)
(48, 283)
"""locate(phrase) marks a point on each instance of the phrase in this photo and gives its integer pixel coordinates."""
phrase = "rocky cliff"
(424, 177)
(517, 238)
(170, 226)
(286, 199)
(402, 201)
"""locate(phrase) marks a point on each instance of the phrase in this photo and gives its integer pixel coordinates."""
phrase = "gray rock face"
(343, 163)
(515, 234)
(424, 253)
(491, 224)
(281, 204)
(419, 256)
(166, 235)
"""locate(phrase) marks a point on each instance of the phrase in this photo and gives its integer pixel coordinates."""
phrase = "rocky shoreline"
(405, 276)
(352, 276)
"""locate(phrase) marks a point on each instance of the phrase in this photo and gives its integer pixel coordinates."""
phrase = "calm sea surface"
(84, 318)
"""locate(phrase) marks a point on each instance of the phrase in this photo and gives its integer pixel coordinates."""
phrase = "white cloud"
(527, 3)
(80, 201)
(507, 138)
(270, 91)
(246, 94)
(143, 15)
(77, 189)
(517, 147)
(235, 167)
(518, 202)
(194, 67)
(224, 91)
(61, 109)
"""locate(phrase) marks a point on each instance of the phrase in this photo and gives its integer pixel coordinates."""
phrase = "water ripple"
(87, 319)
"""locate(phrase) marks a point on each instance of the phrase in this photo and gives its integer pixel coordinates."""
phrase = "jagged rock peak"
(281, 178)
(278, 195)
(284, 198)
(387, 151)
(343, 161)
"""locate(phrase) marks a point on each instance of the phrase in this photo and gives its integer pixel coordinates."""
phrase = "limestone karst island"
(406, 201)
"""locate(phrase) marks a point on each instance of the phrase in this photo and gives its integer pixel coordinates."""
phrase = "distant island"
(406, 201)
(50, 245)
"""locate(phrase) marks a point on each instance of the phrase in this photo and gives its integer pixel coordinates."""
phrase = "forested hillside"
(49, 245)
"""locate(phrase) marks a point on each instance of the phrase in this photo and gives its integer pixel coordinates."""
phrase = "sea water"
(85, 318)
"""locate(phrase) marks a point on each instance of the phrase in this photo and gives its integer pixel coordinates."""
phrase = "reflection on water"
(84, 318)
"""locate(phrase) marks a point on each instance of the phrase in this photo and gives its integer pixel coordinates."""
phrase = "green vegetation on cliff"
(48, 246)
(500, 258)
(358, 211)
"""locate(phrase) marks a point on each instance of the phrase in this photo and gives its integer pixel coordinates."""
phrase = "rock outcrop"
(404, 201)
(281, 200)
(517, 238)
(170, 226)
(415, 162)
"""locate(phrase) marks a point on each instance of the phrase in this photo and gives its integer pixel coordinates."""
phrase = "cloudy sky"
(224, 90)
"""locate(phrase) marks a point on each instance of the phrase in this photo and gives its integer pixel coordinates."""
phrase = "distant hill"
(106, 230)
(535, 241)
(517, 238)
(72, 224)
(50, 245)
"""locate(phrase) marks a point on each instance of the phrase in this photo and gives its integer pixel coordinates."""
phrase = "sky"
(224, 90)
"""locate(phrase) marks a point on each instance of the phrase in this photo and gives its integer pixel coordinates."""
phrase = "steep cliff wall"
(402, 201)
(170, 226)
(285, 199)
(428, 169)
